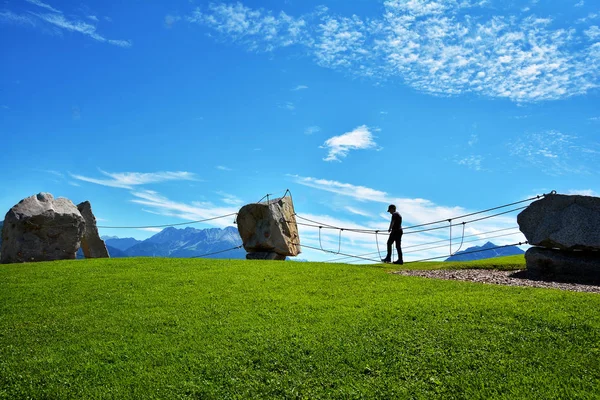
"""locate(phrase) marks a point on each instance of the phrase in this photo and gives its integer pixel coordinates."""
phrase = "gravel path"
(509, 278)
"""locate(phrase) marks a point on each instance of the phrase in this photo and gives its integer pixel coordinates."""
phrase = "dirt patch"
(508, 278)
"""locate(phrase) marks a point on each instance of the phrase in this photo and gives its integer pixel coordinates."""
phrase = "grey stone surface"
(558, 263)
(91, 244)
(264, 255)
(41, 228)
(269, 227)
(563, 222)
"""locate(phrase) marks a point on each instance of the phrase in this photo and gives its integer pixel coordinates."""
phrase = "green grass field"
(220, 329)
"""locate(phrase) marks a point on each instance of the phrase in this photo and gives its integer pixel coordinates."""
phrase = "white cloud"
(170, 20)
(162, 205)
(258, 30)
(579, 3)
(44, 5)
(593, 32)
(473, 139)
(360, 193)
(81, 27)
(84, 28)
(360, 138)
(155, 230)
(288, 106)
(127, 180)
(311, 130)
(473, 162)
(433, 46)
(12, 18)
(230, 199)
(300, 87)
(555, 153)
(57, 19)
(357, 211)
(223, 168)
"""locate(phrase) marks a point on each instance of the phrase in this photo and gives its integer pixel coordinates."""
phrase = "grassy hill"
(175, 328)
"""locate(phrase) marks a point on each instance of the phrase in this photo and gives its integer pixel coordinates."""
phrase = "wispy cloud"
(8, 17)
(438, 47)
(300, 87)
(128, 180)
(311, 130)
(155, 230)
(84, 28)
(57, 19)
(162, 205)
(258, 30)
(170, 20)
(287, 106)
(230, 199)
(360, 138)
(555, 153)
(473, 139)
(223, 168)
(473, 162)
(593, 32)
(357, 211)
(44, 5)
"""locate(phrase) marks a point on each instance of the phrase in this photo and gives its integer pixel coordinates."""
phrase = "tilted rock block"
(559, 263)
(41, 228)
(563, 222)
(269, 227)
(91, 244)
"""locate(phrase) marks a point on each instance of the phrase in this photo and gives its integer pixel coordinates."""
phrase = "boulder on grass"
(269, 227)
(562, 222)
(91, 244)
(41, 228)
(563, 264)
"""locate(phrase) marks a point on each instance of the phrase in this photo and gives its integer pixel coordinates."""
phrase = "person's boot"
(398, 262)
(386, 260)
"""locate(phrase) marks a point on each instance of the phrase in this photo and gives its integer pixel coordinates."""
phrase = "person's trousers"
(395, 236)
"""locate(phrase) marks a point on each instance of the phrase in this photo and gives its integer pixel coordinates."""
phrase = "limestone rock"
(91, 244)
(557, 263)
(41, 228)
(269, 227)
(563, 222)
(264, 255)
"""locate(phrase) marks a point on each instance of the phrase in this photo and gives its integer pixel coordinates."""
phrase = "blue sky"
(165, 112)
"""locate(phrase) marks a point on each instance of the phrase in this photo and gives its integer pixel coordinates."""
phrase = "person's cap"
(391, 207)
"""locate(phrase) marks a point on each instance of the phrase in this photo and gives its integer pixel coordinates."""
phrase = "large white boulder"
(269, 227)
(41, 228)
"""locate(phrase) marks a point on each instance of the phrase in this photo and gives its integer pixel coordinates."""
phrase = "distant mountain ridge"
(485, 251)
(189, 242)
(120, 243)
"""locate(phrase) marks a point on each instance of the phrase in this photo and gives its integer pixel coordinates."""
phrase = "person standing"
(395, 236)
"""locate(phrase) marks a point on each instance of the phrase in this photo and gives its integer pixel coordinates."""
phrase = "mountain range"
(486, 251)
(179, 243)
